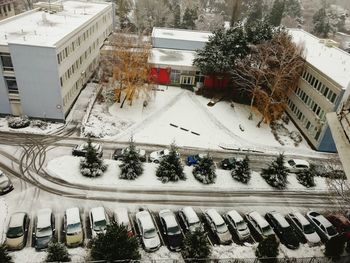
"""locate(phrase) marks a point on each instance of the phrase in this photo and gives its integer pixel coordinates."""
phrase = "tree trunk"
(121, 106)
(259, 123)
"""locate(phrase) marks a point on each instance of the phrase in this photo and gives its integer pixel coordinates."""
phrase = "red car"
(341, 223)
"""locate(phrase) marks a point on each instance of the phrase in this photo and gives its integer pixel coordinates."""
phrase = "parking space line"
(156, 225)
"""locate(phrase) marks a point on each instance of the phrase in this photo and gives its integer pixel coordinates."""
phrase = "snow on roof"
(98, 213)
(169, 217)
(73, 215)
(301, 218)
(190, 214)
(121, 216)
(280, 219)
(301, 162)
(172, 57)
(332, 61)
(44, 218)
(145, 219)
(16, 219)
(215, 216)
(41, 28)
(258, 218)
(235, 215)
(181, 34)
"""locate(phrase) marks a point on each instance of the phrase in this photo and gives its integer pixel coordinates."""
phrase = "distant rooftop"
(41, 28)
(181, 34)
(332, 61)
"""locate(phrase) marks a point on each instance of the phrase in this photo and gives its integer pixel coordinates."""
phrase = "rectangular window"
(11, 85)
(312, 81)
(325, 92)
(334, 96)
(316, 83)
(6, 62)
(317, 136)
(329, 96)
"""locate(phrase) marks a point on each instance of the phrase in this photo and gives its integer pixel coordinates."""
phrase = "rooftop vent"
(52, 7)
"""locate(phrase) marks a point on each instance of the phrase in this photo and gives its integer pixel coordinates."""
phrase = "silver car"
(239, 226)
(259, 224)
(5, 184)
(218, 226)
(323, 227)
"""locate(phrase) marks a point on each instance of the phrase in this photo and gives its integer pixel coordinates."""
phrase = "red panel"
(212, 81)
(160, 75)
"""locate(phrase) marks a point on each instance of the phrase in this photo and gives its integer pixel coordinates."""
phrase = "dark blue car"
(193, 159)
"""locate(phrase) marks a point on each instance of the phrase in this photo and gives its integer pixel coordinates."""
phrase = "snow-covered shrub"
(57, 252)
(132, 166)
(335, 247)
(18, 122)
(242, 172)
(296, 137)
(204, 171)
(306, 176)
(4, 255)
(285, 118)
(276, 173)
(267, 250)
(39, 124)
(196, 246)
(92, 165)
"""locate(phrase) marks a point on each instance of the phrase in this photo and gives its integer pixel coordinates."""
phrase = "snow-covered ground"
(162, 253)
(31, 129)
(67, 168)
(3, 216)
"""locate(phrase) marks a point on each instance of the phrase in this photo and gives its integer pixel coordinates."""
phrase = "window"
(6, 61)
(308, 125)
(334, 96)
(11, 85)
(325, 92)
(175, 76)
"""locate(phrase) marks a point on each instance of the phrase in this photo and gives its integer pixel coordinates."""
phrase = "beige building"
(7, 8)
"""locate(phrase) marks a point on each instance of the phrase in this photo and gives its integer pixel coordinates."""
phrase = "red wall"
(213, 81)
(160, 75)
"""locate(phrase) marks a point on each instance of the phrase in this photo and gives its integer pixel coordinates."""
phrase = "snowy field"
(67, 168)
(175, 114)
(30, 129)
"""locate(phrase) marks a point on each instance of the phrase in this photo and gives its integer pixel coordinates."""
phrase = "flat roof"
(173, 57)
(181, 34)
(332, 61)
(41, 28)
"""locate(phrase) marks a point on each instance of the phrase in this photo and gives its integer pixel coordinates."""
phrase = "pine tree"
(259, 32)
(177, 15)
(132, 166)
(276, 13)
(335, 246)
(57, 252)
(4, 256)
(123, 7)
(306, 176)
(170, 167)
(321, 23)
(204, 171)
(115, 244)
(255, 14)
(267, 248)
(197, 245)
(189, 18)
(276, 174)
(242, 172)
(92, 165)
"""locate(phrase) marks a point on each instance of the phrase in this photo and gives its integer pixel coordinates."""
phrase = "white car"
(148, 231)
(121, 217)
(323, 227)
(303, 228)
(259, 224)
(296, 165)
(98, 221)
(44, 228)
(190, 219)
(157, 156)
(72, 227)
(239, 226)
(218, 226)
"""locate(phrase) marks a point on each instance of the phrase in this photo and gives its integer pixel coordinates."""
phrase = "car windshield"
(100, 225)
(73, 228)
(43, 232)
(174, 230)
(291, 162)
(194, 225)
(331, 231)
(308, 229)
(266, 230)
(222, 228)
(15, 232)
(150, 233)
(241, 225)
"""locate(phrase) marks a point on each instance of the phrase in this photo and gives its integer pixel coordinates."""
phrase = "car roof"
(73, 215)
(121, 215)
(190, 214)
(320, 218)
(82, 146)
(17, 219)
(98, 213)
(235, 215)
(215, 216)
(258, 218)
(301, 218)
(44, 218)
(300, 161)
(341, 218)
(169, 217)
(145, 219)
(280, 219)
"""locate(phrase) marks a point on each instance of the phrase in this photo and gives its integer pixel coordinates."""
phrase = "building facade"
(7, 8)
(48, 54)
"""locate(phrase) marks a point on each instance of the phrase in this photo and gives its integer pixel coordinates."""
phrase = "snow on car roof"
(258, 218)
(215, 216)
(323, 220)
(300, 162)
(301, 218)
(169, 217)
(280, 219)
(98, 213)
(73, 215)
(145, 219)
(16, 219)
(235, 215)
(190, 214)
(121, 215)
(44, 218)
(82, 146)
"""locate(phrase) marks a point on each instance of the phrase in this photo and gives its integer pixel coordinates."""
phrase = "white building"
(48, 54)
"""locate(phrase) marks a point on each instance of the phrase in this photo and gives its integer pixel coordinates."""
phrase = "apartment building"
(7, 8)
(48, 54)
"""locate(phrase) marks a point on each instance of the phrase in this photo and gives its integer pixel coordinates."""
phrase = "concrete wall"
(327, 144)
(177, 44)
(38, 83)
(4, 99)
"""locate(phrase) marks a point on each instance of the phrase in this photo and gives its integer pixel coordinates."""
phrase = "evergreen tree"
(92, 165)
(321, 23)
(189, 18)
(4, 256)
(259, 32)
(115, 244)
(255, 13)
(306, 176)
(335, 246)
(276, 13)
(123, 7)
(197, 245)
(276, 174)
(177, 15)
(131, 166)
(204, 171)
(292, 8)
(267, 248)
(241, 171)
(57, 252)
(170, 167)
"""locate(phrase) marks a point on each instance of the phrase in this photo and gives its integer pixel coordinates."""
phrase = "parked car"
(218, 226)
(148, 231)
(260, 226)
(6, 185)
(229, 163)
(296, 165)
(72, 227)
(190, 219)
(171, 230)
(98, 221)
(303, 228)
(80, 150)
(194, 159)
(238, 225)
(282, 229)
(119, 153)
(44, 228)
(157, 156)
(16, 236)
(323, 227)
(121, 216)
(341, 223)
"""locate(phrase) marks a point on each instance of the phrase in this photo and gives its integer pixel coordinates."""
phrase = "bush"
(241, 172)
(335, 246)
(39, 124)
(306, 176)
(276, 174)
(57, 252)
(4, 256)
(18, 122)
(197, 245)
(115, 244)
(296, 137)
(267, 250)
(204, 171)
(92, 165)
(132, 166)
